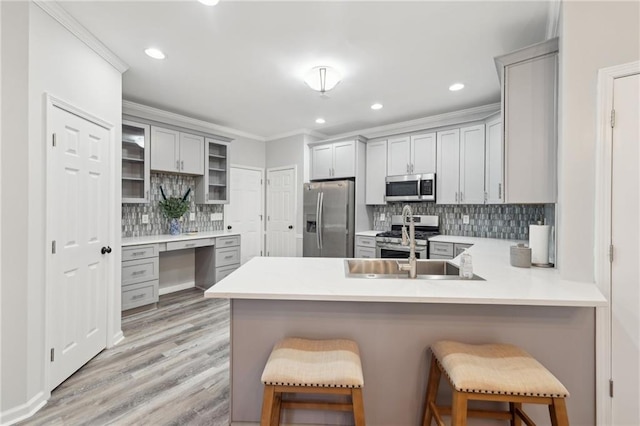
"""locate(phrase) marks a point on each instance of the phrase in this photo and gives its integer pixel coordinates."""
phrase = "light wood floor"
(172, 368)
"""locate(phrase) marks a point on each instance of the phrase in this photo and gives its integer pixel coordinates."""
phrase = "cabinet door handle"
(407, 167)
(137, 296)
(412, 167)
(500, 191)
(182, 165)
(190, 245)
(178, 164)
(461, 196)
(456, 196)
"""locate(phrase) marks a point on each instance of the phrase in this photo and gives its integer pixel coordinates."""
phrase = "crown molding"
(440, 120)
(57, 12)
(308, 132)
(553, 18)
(155, 114)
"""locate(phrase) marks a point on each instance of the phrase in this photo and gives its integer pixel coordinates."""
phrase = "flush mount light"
(322, 78)
(376, 106)
(154, 53)
(320, 121)
(456, 86)
(209, 2)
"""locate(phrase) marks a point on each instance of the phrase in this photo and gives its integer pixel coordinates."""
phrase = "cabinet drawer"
(139, 252)
(230, 241)
(443, 249)
(227, 256)
(179, 245)
(136, 271)
(365, 241)
(459, 248)
(366, 252)
(437, 256)
(139, 294)
(224, 271)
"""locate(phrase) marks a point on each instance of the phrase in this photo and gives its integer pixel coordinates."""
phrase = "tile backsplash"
(174, 186)
(507, 221)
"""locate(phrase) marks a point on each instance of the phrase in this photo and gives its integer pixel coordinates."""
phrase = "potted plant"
(174, 208)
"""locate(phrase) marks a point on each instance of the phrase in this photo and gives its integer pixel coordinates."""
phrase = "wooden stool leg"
(432, 391)
(459, 409)
(358, 406)
(515, 419)
(558, 412)
(267, 405)
(277, 406)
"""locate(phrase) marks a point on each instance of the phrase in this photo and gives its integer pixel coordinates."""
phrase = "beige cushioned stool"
(492, 372)
(312, 366)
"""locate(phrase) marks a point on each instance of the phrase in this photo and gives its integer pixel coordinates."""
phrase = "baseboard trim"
(174, 288)
(117, 338)
(24, 411)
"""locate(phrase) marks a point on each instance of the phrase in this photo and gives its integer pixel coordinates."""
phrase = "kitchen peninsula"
(395, 320)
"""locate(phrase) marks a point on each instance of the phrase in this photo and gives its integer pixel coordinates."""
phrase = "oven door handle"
(397, 247)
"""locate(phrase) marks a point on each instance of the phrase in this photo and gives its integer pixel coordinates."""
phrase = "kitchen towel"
(539, 244)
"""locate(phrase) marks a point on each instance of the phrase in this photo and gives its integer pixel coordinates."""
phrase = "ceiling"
(240, 64)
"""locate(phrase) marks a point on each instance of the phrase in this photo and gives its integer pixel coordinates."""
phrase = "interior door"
(281, 212)
(245, 210)
(78, 222)
(625, 238)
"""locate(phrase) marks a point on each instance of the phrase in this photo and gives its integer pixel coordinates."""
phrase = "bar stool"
(315, 367)
(493, 372)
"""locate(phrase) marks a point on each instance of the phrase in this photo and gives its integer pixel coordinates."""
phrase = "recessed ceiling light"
(376, 106)
(320, 121)
(456, 86)
(209, 2)
(154, 53)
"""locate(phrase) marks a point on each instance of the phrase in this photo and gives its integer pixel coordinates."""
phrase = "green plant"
(174, 207)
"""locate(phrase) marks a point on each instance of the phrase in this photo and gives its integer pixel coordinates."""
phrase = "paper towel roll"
(539, 243)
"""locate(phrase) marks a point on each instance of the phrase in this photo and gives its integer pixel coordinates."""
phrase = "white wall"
(594, 35)
(57, 63)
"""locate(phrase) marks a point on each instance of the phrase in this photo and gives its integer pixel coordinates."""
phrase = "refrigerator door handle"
(318, 221)
(321, 218)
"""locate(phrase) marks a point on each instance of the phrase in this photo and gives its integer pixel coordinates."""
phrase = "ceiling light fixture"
(376, 106)
(209, 2)
(322, 78)
(456, 86)
(154, 53)
(320, 121)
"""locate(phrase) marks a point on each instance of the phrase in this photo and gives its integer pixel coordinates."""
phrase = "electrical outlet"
(192, 216)
(465, 219)
(217, 216)
(145, 218)
(382, 216)
(213, 217)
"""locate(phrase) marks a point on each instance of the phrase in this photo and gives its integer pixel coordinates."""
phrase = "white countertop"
(165, 238)
(368, 233)
(324, 279)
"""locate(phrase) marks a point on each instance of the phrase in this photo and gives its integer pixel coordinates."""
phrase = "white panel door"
(448, 167)
(423, 153)
(494, 160)
(165, 149)
(322, 161)
(281, 212)
(625, 238)
(376, 172)
(244, 211)
(398, 156)
(191, 154)
(344, 159)
(78, 221)
(472, 165)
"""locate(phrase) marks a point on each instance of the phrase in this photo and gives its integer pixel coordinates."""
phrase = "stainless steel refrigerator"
(329, 209)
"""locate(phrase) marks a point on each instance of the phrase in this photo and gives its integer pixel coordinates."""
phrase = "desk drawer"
(227, 256)
(139, 294)
(179, 245)
(224, 271)
(136, 271)
(139, 252)
(442, 249)
(363, 241)
(230, 241)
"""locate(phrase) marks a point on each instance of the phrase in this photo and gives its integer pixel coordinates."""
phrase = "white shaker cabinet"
(376, 172)
(448, 167)
(494, 162)
(398, 156)
(177, 152)
(333, 160)
(191, 154)
(472, 165)
(411, 154)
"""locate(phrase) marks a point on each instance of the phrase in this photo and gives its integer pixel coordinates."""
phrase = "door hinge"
(613, 118)
(53, 140)
(611, 388)
(611, 253)
(53, 247)
(53, 356)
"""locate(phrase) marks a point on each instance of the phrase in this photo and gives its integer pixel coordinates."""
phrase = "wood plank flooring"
(171, 369)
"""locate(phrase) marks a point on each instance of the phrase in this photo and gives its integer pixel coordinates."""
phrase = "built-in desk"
(147, 261)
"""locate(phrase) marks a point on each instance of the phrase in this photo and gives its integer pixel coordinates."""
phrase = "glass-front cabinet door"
(213, 187)
(135, 162)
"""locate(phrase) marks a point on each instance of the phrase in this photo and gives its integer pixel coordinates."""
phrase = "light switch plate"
(145, 218)
(382, 216)
(465, 219)
(192, 216)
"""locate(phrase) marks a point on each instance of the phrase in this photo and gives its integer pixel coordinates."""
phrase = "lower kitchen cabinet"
(211, 268)
(365, 247)
(444, 250)
(140, 276)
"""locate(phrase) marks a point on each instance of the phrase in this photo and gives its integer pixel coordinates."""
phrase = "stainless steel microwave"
(411, 188)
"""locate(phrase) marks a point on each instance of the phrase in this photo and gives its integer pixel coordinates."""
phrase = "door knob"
(105, 250)
(229, 227)
(290, 226)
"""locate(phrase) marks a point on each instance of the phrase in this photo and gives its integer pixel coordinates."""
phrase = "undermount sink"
(390, 268)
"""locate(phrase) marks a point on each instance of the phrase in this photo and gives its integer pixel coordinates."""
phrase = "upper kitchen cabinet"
(376, 172)
(213, 186)
(177, 152)
(411, 154)
(333, 160)
(135, 162)
(529, 80)
(494, 161)
(448, 167)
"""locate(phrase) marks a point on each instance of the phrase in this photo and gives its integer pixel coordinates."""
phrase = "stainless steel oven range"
(389, 244)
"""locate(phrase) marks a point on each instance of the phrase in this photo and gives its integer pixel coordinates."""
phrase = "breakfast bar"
(395, 320)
